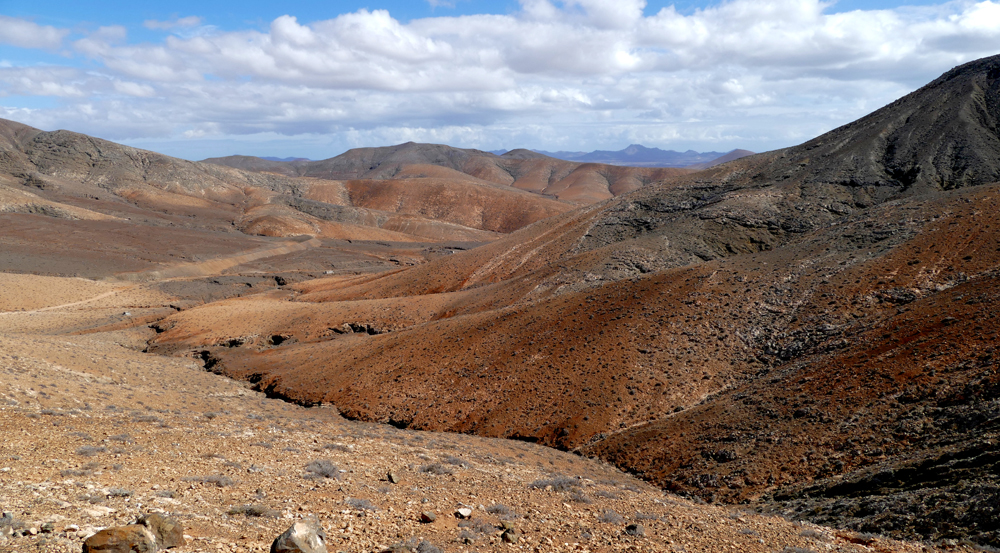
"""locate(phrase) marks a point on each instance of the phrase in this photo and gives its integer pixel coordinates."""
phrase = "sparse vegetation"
(90, 450)
(437, 469)
(322, 468)
(609, 516)
(218, 480)
(360, 504)
(557, 483)
(254, 511)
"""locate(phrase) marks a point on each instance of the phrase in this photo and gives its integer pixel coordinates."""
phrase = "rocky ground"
(97, 432)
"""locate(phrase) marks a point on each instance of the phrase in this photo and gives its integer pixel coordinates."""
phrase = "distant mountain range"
(637, 155)
(272, 158)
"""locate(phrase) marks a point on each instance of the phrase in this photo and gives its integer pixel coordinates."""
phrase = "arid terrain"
(98, 432)
(807, 334)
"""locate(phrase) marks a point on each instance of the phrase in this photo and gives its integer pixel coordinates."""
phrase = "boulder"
(134, 538)
(305, 536)
(464, 512)
(167, 530)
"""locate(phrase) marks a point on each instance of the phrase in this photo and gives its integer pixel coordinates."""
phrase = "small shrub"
(436, 468)
(578, 496)
(85, 470)
(428, 547)
(219, 480)
(322, 468)
(119, 492)
(558, 483)
(477, 525)
(360, 504)
(498, 509)
(9, 522)
(609, 516)
(254, 511)
(89, 450)
(92, 498)
(812, 533)
(606, 494)
(790, 549)
(452, 460)
(123, 438)
(266, 445)
(147, 418)
(338, 447)
(166, 493)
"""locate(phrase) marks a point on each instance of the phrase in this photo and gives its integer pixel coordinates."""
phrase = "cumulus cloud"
(573, 74)
(27, 34)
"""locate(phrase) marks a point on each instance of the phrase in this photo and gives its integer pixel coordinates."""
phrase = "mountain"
(91, 193)
(271, 158)
(576, 183)
(809, 331)
(731, 156)
(637, 155)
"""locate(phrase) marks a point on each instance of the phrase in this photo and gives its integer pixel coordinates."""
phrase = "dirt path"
(63, 306)
(218, 265)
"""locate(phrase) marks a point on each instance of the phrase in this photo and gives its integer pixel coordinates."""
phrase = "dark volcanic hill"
(811, 330)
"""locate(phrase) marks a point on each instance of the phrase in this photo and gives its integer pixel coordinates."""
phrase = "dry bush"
(219, 480)
(558, 483)
(254, 511)
(609, 516)
(322, 468)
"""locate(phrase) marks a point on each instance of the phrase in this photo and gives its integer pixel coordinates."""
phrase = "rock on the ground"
(635, 530)
(305, 536)
(427, 517)
(167, 530)
(134, 538)
(464, 512)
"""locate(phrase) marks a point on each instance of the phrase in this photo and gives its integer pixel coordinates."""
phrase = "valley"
(798, 337)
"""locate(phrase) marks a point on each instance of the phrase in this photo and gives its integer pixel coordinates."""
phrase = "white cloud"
(576, 74)
(181, 22)
(27, 34)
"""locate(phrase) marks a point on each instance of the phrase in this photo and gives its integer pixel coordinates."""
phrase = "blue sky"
(201, 79)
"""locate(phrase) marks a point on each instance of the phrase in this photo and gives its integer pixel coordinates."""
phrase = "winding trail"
(219, 264)
(65, 305)
(186, 270)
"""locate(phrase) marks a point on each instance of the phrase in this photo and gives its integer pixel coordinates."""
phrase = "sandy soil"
(97, 432)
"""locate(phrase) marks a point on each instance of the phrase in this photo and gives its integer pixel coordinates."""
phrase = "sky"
(313, 79)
